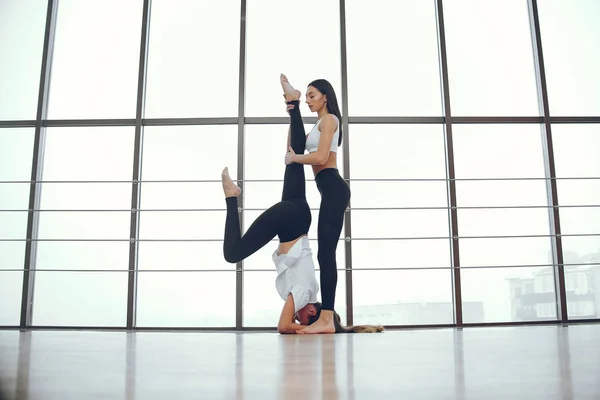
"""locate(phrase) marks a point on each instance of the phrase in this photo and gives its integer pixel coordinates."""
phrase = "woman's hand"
(290, 157)
(289, 107)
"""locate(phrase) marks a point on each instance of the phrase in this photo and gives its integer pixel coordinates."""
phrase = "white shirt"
(312, 140)
(296, 274)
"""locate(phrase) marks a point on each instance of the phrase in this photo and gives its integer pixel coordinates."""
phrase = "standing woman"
(322, 144)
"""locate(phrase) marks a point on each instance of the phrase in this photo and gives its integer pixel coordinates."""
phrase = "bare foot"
(323, 325)
(289, 92)
(230, 188)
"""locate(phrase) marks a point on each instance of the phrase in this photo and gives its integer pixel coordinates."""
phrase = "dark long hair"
(339, 328)
(323, 86)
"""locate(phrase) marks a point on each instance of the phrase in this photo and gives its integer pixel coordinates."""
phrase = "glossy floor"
(533, 362)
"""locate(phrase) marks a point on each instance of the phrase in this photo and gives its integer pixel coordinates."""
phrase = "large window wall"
(470, 145)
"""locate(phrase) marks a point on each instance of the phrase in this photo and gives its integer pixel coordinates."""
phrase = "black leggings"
(289, 219)
(335, 197)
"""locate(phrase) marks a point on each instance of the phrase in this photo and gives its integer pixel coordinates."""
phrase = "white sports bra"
(312, 140)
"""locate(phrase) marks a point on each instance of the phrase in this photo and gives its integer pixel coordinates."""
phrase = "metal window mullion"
(137, 169)
(239, 281)
(450, 172)
(549, 166)
(346, 152)
(35, 190)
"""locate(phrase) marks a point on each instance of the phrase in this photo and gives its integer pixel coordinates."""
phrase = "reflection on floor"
(534, 362)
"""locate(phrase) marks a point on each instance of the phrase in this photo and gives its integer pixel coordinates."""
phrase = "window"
(96, 59)
(402, 297)
(491, 286)
(582, 309)
(189, 73)
(491, 68)
(544, 283)
(281, 37)
(546, 310)
(405, 151)
(569, 30)
(492, 155)
(182, 225)
(188, 299)
(578, 168)
(21, 42)
(16, 148)
(88, 220)
(393, 63)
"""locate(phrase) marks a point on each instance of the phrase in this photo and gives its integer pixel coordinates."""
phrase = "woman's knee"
(231, 256)
(326, 257)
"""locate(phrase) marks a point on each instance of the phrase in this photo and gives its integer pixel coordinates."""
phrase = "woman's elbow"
(324, 158)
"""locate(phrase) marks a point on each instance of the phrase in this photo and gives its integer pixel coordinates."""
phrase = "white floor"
(534, 362)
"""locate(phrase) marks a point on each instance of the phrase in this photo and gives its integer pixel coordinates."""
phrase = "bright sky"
(193, 72)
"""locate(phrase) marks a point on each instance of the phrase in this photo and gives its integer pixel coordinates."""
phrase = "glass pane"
(571, 69)
(83, 255)
(96, 59)
(84, 154)
(22, 26)
(186, 196)
(575, 150)
(264, 151)
(509, 294)
(482, 252)
(262, 304)
(16, 147)
(580, 220)
(581, 249)
(84, 225)
(11, 287)
(86, 196)
(399, 223)
(189, 153)
(12, 254)
(402, 297)
(483, 151)
(503, 222)
(274, 47)
(501, 193)
(401, 253)
(582, 283)
(16, 152)
(13, 225)
(186, 299)
(408, 31)
(491, 68)
(182, 255)
(377, 194)
(80, 299)
(408, 152)
(182, 225)
(181, 83)
(580, 192)
(14, 196)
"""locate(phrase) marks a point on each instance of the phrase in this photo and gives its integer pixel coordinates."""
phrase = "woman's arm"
(286, 319)
(320, 156)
